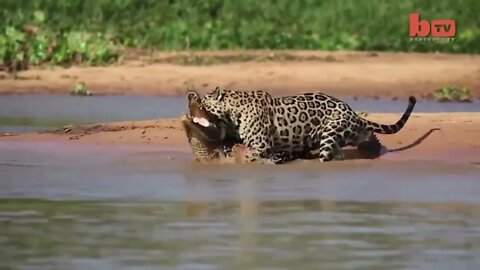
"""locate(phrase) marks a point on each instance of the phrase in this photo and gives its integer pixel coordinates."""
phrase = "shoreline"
(343, 74)
(425, 136)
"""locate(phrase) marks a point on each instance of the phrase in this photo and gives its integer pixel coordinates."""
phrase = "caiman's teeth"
(201, 121)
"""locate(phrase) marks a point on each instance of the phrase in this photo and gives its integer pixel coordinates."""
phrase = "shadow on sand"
(369, 152)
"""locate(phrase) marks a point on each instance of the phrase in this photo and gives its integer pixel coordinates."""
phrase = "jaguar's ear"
(218, 93)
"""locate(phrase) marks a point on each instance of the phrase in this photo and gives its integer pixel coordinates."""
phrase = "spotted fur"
(315, 122)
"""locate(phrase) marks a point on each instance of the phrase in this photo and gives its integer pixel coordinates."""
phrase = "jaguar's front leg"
(268, 155)
(281, 157)
(254, 155)
(257, 136)
(225, 150)
(260, 148)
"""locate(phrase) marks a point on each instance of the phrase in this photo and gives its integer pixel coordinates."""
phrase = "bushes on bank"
(84, 30)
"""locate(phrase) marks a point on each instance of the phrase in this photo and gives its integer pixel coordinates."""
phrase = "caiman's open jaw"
(201, 121)
(202, 117)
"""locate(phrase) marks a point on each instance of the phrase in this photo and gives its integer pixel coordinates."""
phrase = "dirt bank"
(426, 135)
(340, 73)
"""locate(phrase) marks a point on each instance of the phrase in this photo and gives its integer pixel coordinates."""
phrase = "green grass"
(362, 113)
(80, 89)
(89, 31)
(33, 122)
(35, 42)
(452, 94)
(199, 59)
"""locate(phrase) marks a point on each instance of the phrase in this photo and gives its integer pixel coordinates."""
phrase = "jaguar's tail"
(391, 129)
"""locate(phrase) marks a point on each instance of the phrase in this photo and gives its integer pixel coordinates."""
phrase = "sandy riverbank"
(359, 74)
(426, 135)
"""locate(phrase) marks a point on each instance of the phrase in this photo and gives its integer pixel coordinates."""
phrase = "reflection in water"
(239, 234)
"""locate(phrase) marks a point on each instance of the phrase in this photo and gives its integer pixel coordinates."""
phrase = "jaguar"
(314, 121)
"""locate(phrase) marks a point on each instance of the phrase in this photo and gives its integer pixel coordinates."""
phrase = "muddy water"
(66, 206)
(55, 110)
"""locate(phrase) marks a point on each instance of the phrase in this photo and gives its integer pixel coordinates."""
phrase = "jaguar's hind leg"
(330, 142)
(325, 143)
(329, 148)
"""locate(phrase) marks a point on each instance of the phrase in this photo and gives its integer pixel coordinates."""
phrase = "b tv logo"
(445, 28)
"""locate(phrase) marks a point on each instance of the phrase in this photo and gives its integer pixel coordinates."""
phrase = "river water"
(86, 206)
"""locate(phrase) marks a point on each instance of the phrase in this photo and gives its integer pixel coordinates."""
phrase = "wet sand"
(353, 74)
(430, 136)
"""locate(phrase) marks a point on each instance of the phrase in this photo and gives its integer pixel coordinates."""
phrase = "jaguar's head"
(217, 103)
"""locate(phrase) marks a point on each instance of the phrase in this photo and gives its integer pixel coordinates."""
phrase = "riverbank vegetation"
(95, 32)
